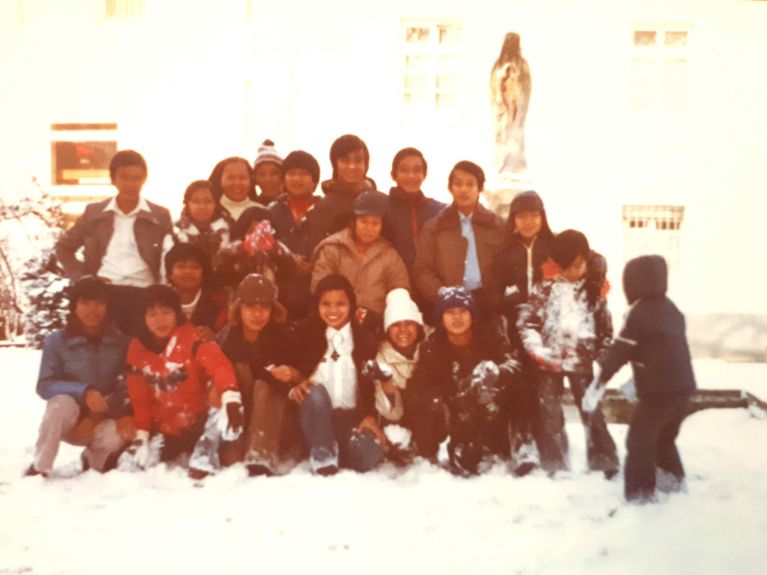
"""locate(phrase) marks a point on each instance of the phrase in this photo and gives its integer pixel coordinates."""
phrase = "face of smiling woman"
(403, 335)
(334, 308)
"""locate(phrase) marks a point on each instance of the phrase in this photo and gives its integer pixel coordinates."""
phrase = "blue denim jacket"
(71, 364)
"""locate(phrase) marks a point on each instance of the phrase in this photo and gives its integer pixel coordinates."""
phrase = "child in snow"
(653, 339)
(462, 385)
(336, 404)
(202, 220)
(168, 368)
(81, 381)
(564, 333)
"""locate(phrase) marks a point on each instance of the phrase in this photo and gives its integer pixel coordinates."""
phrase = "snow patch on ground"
(421, 520)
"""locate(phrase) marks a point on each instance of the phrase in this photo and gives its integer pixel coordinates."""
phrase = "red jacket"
(168, 390)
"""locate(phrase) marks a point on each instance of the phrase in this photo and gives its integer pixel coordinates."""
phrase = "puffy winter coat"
(168, 390)
(376, 274)
(440, 258)
(557, 323)
(406, 217)
(71, 364)
(653, 335)
(94, 229)
(210, 240)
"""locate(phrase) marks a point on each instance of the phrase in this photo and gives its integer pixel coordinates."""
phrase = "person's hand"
(543, 359)
(282, 373)
(388, 387)
(593, 396)
(370, 423)
(204, 333)
(95, 402)
(138, 450)
(360, 315)
(299, 392)
(231, 417)
(125, 427)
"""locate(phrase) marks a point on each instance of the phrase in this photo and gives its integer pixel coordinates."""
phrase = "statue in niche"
(510, 92)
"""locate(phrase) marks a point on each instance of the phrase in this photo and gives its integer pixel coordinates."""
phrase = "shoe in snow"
(259, 470)
(327, 470)
(31, 472)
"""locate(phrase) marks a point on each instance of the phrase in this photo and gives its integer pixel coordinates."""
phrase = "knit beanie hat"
(267, 153)
(87, 287)
(450, 297)
(256, 289)
(567, 246)
(399, 307)
(372, 203)
(302, 161)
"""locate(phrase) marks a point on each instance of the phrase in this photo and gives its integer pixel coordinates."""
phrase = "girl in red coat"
(168, 371)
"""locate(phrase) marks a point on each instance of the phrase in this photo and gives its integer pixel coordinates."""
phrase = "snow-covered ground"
(421, 521)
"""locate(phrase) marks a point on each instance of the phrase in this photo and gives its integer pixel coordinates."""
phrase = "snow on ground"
(421, 520)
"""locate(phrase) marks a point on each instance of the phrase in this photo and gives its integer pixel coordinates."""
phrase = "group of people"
(349, 328)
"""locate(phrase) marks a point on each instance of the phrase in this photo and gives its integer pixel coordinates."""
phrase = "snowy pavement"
(421, 521)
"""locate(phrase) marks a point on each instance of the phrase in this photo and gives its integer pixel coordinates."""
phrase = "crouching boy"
(653, 339)
(81, 380)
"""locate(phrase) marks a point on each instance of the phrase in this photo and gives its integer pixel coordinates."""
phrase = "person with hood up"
(653, 339)
(462, 386)
(350, 159)
(360, 254)
(563, 333)
(81, 380)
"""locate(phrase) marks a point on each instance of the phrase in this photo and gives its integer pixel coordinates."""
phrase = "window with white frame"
(432, 52)
(123, 9)
(653, 229)
(659, 68)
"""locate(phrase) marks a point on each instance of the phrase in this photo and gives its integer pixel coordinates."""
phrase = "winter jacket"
(558, 324)
(333, 212)
(311, 335)
(441, 366)
(391, 407)
(93, 231)
(71, 364)
(653, 335)
(168, 390)
(275, 346)
(295, 235)
(440, 257)
(210, 240)
(376, 274)
(211, 310)
(406, 217)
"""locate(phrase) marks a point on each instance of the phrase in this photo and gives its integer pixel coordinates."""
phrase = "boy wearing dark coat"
(563, 333)
(653, 339)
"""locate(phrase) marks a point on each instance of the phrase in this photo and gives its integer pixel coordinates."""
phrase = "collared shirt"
(122, 264)
(336, 371)
(472, 279)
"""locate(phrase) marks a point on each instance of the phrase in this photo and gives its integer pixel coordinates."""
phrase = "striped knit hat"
(267, 153)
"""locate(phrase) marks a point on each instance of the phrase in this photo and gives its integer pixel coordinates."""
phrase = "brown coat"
(373, 276)
(440, 256)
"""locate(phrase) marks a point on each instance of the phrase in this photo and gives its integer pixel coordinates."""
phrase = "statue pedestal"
(501, 189)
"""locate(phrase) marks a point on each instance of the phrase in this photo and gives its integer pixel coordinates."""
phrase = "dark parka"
(94, 229)
(406, 217)
(295, 235)
(653, 336)
(440, 257)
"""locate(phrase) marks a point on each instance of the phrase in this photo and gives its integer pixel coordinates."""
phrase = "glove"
(376, 370)
(230, 419)
(138, 450)
(593, 396)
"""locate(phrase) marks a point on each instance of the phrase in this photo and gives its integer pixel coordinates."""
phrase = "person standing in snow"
(81, 379)
(563, 333)
(350, 159)
(267, 173)
(261, 346)
(288, 214)
(234, 187)
(458, 245)
(168, 370)
(462, 386)
(366, 259)
(653, 339)
(122, 240)
(336, 403)
(409, 208)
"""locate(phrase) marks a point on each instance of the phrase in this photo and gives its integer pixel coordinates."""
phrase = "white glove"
(629, 390)
(593, 396)
(138, 450)
(230, 416)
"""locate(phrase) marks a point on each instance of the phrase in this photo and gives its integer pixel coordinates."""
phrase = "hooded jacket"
(653, 335)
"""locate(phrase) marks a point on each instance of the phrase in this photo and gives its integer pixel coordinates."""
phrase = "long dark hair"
(196, 186)
(218, 172)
